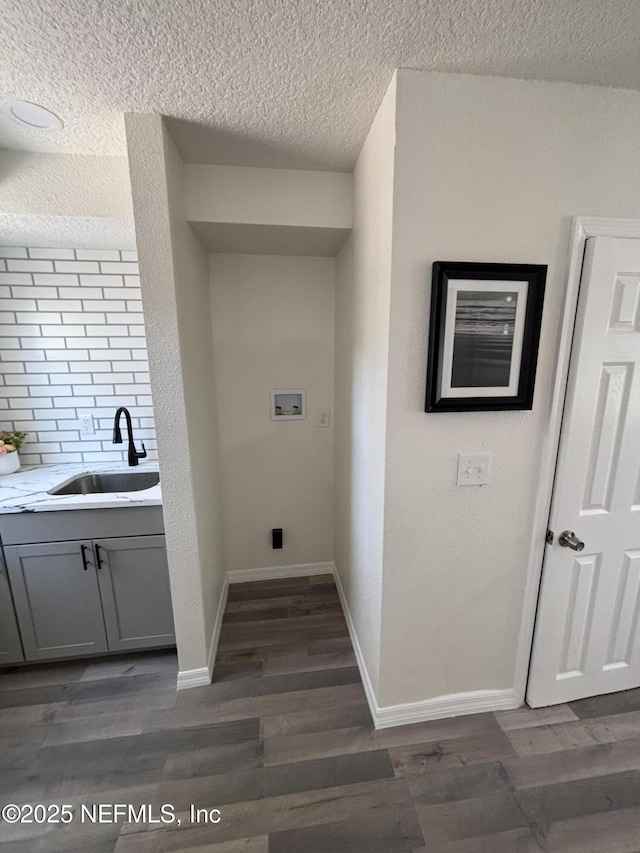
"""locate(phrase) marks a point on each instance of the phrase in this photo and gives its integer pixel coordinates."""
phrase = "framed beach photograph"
(484, 335)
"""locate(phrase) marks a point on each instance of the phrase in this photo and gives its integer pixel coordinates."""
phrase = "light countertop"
(26, 490)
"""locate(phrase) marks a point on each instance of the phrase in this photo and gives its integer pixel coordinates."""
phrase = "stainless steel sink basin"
(89, 484)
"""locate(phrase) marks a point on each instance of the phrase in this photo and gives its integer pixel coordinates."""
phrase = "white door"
(586, 638)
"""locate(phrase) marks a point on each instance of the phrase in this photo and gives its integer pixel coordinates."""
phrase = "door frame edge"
(583, 227)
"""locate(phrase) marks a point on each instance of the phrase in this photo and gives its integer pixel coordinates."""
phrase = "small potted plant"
(10, 444)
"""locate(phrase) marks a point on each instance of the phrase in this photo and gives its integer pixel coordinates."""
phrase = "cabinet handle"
(83, 549)
(99, 559)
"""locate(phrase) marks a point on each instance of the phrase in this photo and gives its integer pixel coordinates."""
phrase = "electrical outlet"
(86, 423)
(474, 469)
(324, 417)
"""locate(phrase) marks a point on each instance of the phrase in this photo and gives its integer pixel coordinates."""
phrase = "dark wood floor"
(282, 744)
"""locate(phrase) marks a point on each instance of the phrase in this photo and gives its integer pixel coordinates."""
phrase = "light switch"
(474, 469)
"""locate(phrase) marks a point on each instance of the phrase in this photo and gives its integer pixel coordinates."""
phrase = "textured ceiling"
(283, 84)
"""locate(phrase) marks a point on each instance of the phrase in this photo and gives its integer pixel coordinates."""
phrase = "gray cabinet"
(87, 596)
(134, 584)
(57, 599)
(10, 645)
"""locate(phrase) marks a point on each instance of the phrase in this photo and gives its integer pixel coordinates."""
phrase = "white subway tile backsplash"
(85, 318)
(14, 278)
(64, 378)
(47, 367)
(65, 331)
(103, 456)
(102, 281)
(59, 391)
(129, 255)
(47, 343)
(29, 266)
(44, 318)
(72, 341)
(14, 393)
(56, 458)
(80, 292)
(105, 305)
(83, 343)
(56, 279)
(133, 389)
(34, 292)
(22, 379)
(18, 355)
(76, 266)
(13, 252)
(52, 254)
(56, 305)
(122, 268)
(18, 304)
(78, 402)
(109, 401)
(98, 330)
(97, 254)
(43, 447)
(11, 329)
(121, 343)
(91, 389)
(62, 415)
(65, 355)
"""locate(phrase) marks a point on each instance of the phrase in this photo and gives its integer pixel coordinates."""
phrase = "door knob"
(568, 539)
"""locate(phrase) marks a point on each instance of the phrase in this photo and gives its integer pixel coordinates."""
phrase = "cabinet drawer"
(26, 528)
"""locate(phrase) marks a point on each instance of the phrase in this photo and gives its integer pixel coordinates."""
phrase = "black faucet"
(117, 436)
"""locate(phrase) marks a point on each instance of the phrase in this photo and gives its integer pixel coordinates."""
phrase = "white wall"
(72, 341)
(486, 169)
(273, 327)
(175, 292)
(238, 194)
(363, 279)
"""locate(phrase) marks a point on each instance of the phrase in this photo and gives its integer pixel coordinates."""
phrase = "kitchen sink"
(90, 484)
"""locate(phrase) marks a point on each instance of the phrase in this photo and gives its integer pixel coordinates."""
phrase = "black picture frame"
(484, 336)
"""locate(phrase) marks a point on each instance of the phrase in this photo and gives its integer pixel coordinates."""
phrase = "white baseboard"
(202, 677)
(188, 678)
(364, 673)
(453, 705)
(269, 573)
(217, 627)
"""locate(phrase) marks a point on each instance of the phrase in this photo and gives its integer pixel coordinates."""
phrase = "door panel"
(10, 645)
(586, 639)
(57, 600)
(134, 583)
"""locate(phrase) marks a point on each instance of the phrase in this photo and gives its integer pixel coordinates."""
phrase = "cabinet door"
(57, 599)
(10, 645)
(134, 584)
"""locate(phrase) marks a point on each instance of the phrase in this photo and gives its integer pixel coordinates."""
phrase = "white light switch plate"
(474, 469)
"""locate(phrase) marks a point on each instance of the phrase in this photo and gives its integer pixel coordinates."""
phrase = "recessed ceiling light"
(31, 115)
